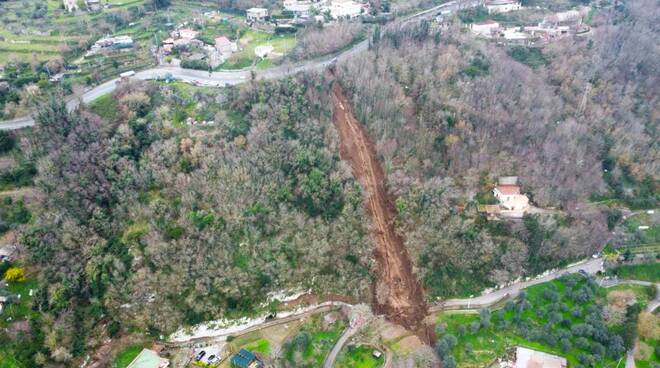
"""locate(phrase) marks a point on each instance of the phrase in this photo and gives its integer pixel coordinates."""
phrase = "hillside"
(462, 112)
(168, 207)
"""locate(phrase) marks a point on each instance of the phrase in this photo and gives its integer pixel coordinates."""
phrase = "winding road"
(590, 266)
(226, 78)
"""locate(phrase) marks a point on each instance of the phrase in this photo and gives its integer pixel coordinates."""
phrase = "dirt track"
(396, 293)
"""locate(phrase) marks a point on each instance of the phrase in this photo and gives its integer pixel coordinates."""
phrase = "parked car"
(200, 355)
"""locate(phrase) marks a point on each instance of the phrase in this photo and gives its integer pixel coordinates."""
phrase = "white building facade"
(502, 6)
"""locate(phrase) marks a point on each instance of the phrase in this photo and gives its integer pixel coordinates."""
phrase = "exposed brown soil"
(397, 293)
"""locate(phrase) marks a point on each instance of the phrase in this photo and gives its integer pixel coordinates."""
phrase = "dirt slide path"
(397, 293)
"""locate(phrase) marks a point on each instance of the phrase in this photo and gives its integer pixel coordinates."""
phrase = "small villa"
(485, 28)
(502, 6)
(186, 33)
(512, 202)
(256, 15)
(510, 197)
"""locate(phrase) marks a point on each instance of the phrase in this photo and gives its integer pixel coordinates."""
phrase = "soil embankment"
(397, 293)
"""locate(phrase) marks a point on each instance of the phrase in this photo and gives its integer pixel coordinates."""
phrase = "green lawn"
(645, 272)
(312, 344)
(650, 235)
(544, 320)
(261, 346)
(17, 311)
(647, 346)
(250, 40)
(359, 357)
(20, 310)
(105, 106)
(127, 355)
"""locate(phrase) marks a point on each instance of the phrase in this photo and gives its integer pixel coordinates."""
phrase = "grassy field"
(543, 320)
(20, 310)
(125, 357)
(105, 106)
(263, 342)
(24, 47)
(645, 272)
(359, 357)
(15, 312)
(643, 294)
(27, 38)
(310, 346)
(650, 235)
(647, 348)
(249, 40)
(261, 346)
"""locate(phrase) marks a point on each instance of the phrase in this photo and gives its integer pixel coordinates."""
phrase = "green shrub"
(195, 64)
(7, 141)
(531, 56)
(478, 67)
(18, 176)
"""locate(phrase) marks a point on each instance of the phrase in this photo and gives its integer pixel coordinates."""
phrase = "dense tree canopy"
(451, 113)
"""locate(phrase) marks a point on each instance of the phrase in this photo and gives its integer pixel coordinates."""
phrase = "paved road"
(225, 78)
(653, 305)
(348, 333)
(591, 266)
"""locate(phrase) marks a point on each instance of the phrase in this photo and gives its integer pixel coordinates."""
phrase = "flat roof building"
(256, 14)
(502, 6)
(528, 358)
(245, 359)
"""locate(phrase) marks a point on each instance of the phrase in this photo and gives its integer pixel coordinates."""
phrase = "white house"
(300, 8)
(187, 33)
(548, 29)
(256, 15)
(514, 33)
(502, 6)
(345, 9)
(485, 28)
